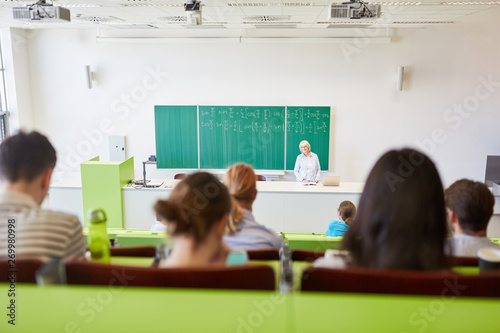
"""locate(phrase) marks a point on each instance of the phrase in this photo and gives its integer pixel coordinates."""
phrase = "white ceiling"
(237, 14)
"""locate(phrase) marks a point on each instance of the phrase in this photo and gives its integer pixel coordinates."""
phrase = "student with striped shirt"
(26, 164)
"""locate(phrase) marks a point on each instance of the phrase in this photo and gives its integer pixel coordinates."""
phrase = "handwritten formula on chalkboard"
(239, 119)
(311, 124)
(308, 121)
(251, 134)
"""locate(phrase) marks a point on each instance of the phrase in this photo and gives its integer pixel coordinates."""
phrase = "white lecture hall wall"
(445, 66)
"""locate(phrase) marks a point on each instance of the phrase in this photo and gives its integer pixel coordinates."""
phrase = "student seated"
(26, 164)
(195, 215)
(346, 212)
(158, 225)
(244, 232)
(470, 206)
(401, 217)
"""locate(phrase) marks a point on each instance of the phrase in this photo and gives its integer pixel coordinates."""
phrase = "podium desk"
(281, 206)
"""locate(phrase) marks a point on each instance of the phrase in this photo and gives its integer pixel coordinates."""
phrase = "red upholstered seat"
(306, 255)
(360, 280)
(263, 254)
(235, 277)
(25, 270)
(464, 261)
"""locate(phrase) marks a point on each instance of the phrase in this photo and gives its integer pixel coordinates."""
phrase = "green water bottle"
(98, 236)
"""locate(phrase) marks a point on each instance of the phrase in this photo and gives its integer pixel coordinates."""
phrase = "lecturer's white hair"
(306, 142)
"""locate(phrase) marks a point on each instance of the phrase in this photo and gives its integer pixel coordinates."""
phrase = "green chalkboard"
(230, 134)
(176, 136)
(311, 123)
(251, 134)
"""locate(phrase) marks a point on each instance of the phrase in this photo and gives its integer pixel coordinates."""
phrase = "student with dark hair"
(346, 213)
(470, 206)
(196, 215)
(401, 217)
(26, 164)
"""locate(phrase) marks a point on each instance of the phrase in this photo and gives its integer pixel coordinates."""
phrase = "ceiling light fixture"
(395, 3)
(193, 12)
(241, 40)
(424, 22)
(77, 5)
(473, 3)
(263, 4)
(153, 5)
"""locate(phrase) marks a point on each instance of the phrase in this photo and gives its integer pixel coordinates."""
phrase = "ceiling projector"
(355, 9)
(42, 11)
(193, 12)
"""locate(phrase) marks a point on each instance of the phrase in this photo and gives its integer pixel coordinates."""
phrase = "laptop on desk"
(150, 183)
(331, 180)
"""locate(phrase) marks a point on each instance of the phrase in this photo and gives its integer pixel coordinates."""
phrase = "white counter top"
(167, 185)
(68, 183)
(272, 186)
(345, 187)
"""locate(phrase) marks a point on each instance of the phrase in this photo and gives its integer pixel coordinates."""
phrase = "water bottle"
(161, 254)
(286, 268)
(98, 236)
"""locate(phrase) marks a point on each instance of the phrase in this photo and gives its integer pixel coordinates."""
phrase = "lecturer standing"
(307, 165)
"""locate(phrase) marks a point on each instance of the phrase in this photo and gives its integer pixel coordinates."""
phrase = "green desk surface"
(133, 239)
(115, 232)
(132, 261)
(393, 313)
(465, 270)
(123, 230)
(307, 236)
(83, 309)
(137, 232)
(312, 242)
(302, 234)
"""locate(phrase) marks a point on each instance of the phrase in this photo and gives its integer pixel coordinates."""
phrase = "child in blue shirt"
(347, 212)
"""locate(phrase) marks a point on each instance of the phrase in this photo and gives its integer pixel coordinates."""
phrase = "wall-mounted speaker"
(90, 76)
(399, 80)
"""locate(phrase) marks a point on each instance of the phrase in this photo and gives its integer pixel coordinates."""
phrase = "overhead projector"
(355, 9)
(42, 11)
(193, 12)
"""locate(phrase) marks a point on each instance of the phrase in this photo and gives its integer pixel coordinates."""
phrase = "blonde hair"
(195, 205)
(306, 142)
(347, 211)
(235, 216)
(241, 182)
